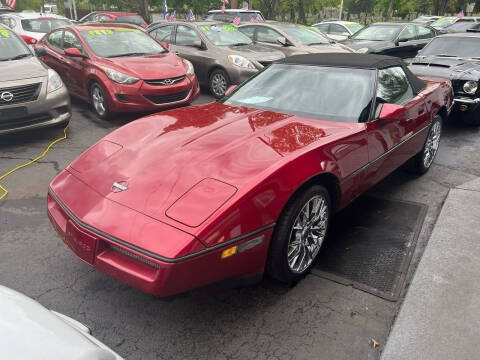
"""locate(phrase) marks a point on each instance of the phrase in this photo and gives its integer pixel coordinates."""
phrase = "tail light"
(29, 40)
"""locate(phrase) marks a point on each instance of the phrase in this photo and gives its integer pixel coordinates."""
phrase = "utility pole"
(341, 10)
(74, 9)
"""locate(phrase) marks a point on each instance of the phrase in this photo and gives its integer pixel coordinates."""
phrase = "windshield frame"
(399, 30)
(13, 35)
(372, 101)
(84, 36)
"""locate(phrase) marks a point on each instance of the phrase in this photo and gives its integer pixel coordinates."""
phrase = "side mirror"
(199, 44)
(165, 45)
(283, 41)
(230, 89)
(73, 52)
(391, 112)
(40, 51)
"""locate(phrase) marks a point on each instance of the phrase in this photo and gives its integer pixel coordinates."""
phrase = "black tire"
(96, 90)
(218, 83)
(278, 266)
(420, 164)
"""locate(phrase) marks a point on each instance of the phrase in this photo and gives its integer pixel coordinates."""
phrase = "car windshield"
(462, 47)
(304, 35)
(443, 22)
(43, 25)
(323, 93)
(118, 42)
(225, 35)
(461, 26)
(137, 20)
(11, 47)
(354, 27)
(378, 33)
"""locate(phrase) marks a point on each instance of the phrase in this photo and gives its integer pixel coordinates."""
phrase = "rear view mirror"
(40, 51)
(391, 112)
(165, 45)
(73, 52)
(283, 41)
(199, 44)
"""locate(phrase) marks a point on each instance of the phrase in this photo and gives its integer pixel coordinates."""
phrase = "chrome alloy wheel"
(98, 101)
(219, 85)
(432, 144)
(307, 234)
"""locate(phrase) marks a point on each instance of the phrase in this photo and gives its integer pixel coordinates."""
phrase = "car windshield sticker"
(112, 31)
(4, 33)
(308, 27)
(255, 100)
(350, 25)
(225, 27)
(229, 27)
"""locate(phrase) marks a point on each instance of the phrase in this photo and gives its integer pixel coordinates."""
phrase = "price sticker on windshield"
(112, 31)
(4, 33)
(228, 27)
(307, 27)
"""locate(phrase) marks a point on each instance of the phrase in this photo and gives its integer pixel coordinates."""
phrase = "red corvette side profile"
(118, 68)
(248, 184)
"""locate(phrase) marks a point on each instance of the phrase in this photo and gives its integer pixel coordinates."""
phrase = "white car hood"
(30, 331)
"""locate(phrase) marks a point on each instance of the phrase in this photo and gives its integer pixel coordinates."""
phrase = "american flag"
(190, 16)
(12, 3)
(245, 5)
(165, 10)
(222, 8)
(172, 16)
(460, 15)
(255, 18)
(225, 2)
(237, 19)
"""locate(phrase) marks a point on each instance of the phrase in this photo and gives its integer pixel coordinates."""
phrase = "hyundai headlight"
(240, 61)
(362, 51)
(470, 87)
(120, 77)
(190, 68)
(54, 82)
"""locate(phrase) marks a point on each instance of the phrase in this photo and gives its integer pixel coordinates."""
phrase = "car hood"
(30, 331)
(448, 68)
(151, 67)
(371, 45)
(22, 69)
(162, 157)
(255, 52)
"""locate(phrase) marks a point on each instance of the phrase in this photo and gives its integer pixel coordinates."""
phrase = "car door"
(389, 141)
(54, 57)
(185, 44)
(73, 67)
(405, 46)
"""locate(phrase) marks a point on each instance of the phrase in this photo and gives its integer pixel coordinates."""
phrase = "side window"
(336, 29)
(55, 39)
(323, 28)
(407, 34)
(186, 36)
(267, 35)
(163, 34)
(71, 41)
(425, 33)
(248, 30)
(393, 86)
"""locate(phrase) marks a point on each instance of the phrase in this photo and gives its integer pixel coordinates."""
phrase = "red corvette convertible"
(232, 188)
(118, 68)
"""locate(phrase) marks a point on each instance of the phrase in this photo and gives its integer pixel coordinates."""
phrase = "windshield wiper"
(240, 44)
(21, 56)
(320, 43)
(127, 54)
(446, 55)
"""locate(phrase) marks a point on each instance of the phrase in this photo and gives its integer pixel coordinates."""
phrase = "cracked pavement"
(316, 319)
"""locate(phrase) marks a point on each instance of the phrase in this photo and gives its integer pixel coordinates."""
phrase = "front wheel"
(219, 83)
(424, 159)
(299, 235)
(99, 101)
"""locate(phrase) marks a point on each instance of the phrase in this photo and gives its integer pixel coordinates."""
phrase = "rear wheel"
(299, 235)
(219, 83)
(99, 101)
(424, 159)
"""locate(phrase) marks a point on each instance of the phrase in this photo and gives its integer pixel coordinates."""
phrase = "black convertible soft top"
(359, 61)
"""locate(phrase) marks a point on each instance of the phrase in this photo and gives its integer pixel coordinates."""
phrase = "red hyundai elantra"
(119, 68)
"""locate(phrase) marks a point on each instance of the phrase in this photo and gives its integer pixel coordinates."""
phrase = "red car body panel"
(78, 74)
(204, 179)
(113, 16)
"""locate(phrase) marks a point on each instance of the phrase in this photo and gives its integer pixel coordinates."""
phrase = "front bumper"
(147, 265)
(48, 110)
(466, 105)
(145, 97)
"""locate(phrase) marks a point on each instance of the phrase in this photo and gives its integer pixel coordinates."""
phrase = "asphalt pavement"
(316, 319)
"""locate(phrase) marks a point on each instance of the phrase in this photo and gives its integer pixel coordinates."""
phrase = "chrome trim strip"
(149, 253)
(383, 155)
(467, 101)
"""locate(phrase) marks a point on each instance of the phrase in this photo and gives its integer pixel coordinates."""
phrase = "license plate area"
(13, 113)
(81, 243)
